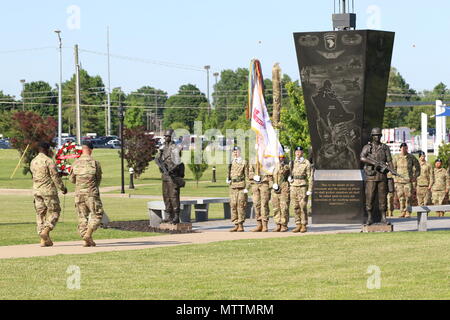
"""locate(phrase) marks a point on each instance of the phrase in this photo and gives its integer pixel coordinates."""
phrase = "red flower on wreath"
(70, 150)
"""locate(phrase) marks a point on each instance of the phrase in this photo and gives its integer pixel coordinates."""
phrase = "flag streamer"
(268, 147)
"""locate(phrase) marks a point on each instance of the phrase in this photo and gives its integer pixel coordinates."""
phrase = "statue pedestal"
(338, 197)
(378, 227)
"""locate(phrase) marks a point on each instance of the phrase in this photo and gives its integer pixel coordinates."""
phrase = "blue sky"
(223, 34)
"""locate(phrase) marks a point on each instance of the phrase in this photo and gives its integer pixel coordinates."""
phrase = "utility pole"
(122, 142)
(23, 93)
(108, 94)
(207, 87)
(216, 75)
(58, 32)
(77, 97)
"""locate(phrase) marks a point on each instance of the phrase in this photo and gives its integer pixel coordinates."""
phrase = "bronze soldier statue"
(377, 160)
(172, 174)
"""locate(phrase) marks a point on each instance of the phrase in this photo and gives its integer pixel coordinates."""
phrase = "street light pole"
(207, 86)
(23, 94)
(121, 118)
(58, 32)
(216, 75)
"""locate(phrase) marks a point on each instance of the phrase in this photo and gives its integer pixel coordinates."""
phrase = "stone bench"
(201, 207)
(422, 214)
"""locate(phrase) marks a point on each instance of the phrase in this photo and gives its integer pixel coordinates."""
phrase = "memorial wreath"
(69, 150)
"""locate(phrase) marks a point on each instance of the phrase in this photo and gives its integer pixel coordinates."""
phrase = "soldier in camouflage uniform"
(280, 195)
(301, 186)
(261, 196)
(46, 182)
(408, 167)
(440, 186)
(237, 179)
(86, 174)
(425, 181)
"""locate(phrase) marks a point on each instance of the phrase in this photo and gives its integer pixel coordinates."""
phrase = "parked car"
(113, 144)
(4, 144)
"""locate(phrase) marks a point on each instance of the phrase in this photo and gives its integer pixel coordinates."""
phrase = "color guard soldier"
(260, 184)
(280, 195)
(237, 179)
(301, 186)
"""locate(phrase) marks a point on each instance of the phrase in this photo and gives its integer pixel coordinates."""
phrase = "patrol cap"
(299, 148)
(438, 160)
(403, 145)
(376, 132)
(236, 148)
(88, 144)
(44, 145)
(168, 132)
(421, 153)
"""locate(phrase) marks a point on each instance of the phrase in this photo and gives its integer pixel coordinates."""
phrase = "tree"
(294, 128)
(230, 94)
(145, 99)
(139, 149)
(184, 107)
(197, 166)
(92, 99)
(29, 129)
(7, 108)
(40, 97)
(398, 90)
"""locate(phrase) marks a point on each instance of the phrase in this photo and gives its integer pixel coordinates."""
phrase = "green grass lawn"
(110, 162)
(412, 265)
(18, 226)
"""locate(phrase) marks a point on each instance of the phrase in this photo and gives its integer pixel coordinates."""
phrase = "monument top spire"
(344, 19)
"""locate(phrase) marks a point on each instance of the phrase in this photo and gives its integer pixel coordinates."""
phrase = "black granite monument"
(344, 76)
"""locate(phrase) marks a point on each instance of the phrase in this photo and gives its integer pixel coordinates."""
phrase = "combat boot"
(284, 229)
(277, 229)
(303, 228)
(259, 226)
(176, 219)
(264, 226)
(407, 215)
(403, 215)
(240, 227)
(88, 241)
(297, 228)
(45, 238)
(236, 227)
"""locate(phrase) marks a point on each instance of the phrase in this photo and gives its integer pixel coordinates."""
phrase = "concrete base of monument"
(378, 227)
(174, 228)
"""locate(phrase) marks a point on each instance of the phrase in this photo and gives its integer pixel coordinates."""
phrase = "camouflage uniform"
(440, 186)
(407, 166)
(280, 199)
(302, 183)
(424, 182)
(260, 193)
(238, 198)
(46, 183)
(86, 174)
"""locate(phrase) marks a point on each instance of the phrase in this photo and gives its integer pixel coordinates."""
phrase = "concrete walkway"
(207, 232)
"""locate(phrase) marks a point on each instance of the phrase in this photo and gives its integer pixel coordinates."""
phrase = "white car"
(113, 144)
